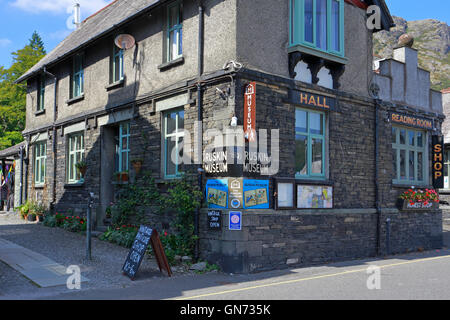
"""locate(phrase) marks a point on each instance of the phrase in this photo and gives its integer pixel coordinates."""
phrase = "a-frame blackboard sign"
(145, 236)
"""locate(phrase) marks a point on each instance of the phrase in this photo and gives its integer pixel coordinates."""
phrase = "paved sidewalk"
(39, 269)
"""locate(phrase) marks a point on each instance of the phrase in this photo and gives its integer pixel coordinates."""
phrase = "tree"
(12, 95)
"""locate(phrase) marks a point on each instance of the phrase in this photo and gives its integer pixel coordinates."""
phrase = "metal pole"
(88, 228)
(388, 236)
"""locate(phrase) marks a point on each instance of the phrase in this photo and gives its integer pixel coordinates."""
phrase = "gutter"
(377, 182)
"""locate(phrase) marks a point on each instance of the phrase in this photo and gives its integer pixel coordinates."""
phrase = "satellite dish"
(125, 41)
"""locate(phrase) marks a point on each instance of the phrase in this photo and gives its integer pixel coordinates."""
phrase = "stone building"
(319, 181)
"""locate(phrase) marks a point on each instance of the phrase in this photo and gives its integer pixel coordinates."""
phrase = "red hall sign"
(250, 112)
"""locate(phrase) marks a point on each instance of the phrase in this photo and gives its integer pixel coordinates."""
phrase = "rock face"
(431, 39)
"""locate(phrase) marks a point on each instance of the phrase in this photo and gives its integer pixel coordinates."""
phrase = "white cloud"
(4, 42)
(88, 7)
(59, 35)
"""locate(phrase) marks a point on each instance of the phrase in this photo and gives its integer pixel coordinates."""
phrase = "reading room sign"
(411, 121)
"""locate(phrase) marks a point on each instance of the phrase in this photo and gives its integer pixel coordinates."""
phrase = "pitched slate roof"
(13, 151)
(93, 28)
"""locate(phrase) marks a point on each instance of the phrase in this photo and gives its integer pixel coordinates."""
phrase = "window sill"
(408, 186)
(39, 113)
(73, 185)
(39, 186)
(321, 54)
(76, 99)
(115, 85)
(314, 182)
(171, 64)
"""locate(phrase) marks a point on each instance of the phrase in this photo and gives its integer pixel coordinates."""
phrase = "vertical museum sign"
(250, 112)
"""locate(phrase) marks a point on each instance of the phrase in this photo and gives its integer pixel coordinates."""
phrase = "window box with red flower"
(418, 200)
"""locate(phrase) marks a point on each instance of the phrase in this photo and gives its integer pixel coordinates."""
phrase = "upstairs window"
(174, 31)
(117, 65)
(77, 76)
(41, 94)
(317, 25)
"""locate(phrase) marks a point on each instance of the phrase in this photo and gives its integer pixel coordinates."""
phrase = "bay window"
(317, 26)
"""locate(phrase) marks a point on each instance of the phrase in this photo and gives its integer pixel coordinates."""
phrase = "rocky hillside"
(432, 39)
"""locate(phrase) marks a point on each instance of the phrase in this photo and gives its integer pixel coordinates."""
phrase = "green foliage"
(69, 223)
(12, 95)
(182, 197)
(123, 236)
(31, 208)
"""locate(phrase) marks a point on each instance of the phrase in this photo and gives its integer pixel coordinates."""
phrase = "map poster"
(217, 194)
(256, 194)
(314, 197)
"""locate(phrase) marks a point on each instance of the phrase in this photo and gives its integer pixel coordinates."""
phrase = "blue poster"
(217, 194)
(256, 194)
(236, 221)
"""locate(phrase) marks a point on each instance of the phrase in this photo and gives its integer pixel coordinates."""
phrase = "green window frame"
(174, 30)
(124, 147)
(173, 138)
(317, 25)
(41, 93)
(78, 76)
(117, 68)
(75, 152)
(40, 162)
(410, 156)
(310, 140)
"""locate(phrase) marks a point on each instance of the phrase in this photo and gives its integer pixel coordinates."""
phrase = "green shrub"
(123, 236)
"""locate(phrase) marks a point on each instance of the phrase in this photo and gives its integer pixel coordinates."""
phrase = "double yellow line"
(311, 278)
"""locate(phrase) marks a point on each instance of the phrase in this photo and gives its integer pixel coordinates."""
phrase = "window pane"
(180, 42)
(170, 157)
(394, 135)
(420, 166)
(420, 139)
(301, 155)
(173, 16)
(173, 42)
(42, 170)
(321, 24)
(309, 20)
(402, 164)
(317, 156)
(335, 25)
(316, 122)
(180, 120)
(394, 162)
(124, 161)
(301, 121)
(411, 166)
(117, 68)
(171, 124)
(411, 138)
(124, 143)
(71, 166)
(402, 136)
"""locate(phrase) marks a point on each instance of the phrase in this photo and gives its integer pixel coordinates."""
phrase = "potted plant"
(125, 177)
(117, 176)
(137, 164)
(31, 217)
(416, 199)
(82, 168)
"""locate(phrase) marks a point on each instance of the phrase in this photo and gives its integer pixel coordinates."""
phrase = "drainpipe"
(21, 176)
(377, 182)
(200, 119)
(54, 135)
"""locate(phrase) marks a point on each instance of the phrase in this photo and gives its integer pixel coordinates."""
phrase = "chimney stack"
(77, 15)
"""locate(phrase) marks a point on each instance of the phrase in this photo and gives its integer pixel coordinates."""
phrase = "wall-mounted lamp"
(234, 121)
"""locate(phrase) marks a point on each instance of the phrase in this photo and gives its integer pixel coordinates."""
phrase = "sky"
(50, 18)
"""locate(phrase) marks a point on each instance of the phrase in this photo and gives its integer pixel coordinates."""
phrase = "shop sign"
(313, 100)
(215, 220)
(235, 221)
(236, 193)
(411, 121)
(250, 112)
(217, 194)
(438, 162)
(256, 194)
